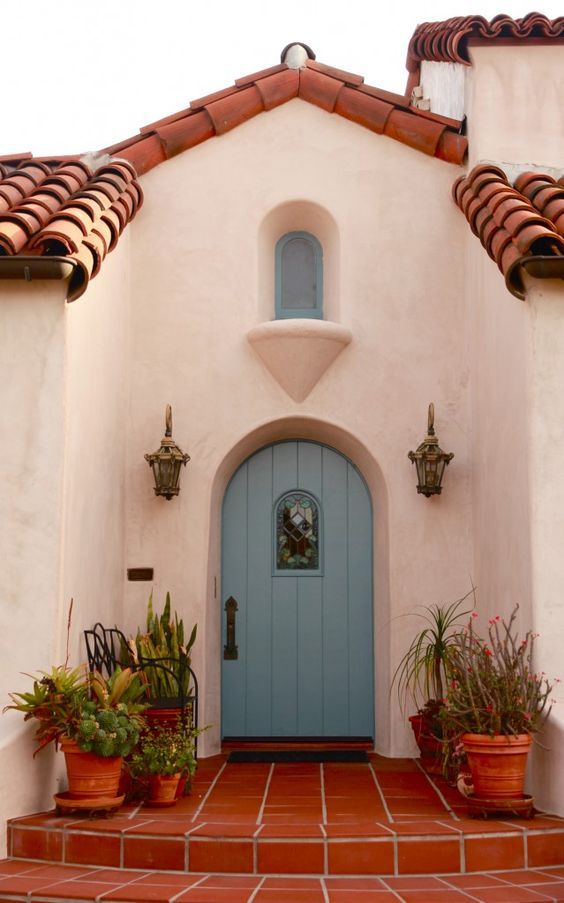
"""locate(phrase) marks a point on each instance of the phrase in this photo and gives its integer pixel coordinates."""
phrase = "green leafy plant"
(102, 716)
(163, 643)
(165, 751)
(421, 674)
(493, 686)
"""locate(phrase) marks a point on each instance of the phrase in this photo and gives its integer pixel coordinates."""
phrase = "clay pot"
(430, 747)
(497, 764)
(90, 776)
(162, 789)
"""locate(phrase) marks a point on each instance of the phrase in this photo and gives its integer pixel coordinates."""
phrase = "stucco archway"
(332, 434)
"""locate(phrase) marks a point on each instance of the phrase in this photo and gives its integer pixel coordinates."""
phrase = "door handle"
(230, 649)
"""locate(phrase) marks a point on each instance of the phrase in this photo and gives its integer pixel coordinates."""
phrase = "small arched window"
(299, 276)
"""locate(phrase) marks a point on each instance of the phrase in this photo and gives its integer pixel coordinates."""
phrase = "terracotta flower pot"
(90, 776)
(430, 747)
(497, 764)
(162, 789)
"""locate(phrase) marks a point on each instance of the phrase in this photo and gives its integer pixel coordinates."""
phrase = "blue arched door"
(297, 660)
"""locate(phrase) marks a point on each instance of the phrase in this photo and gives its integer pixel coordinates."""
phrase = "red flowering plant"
(493, 687)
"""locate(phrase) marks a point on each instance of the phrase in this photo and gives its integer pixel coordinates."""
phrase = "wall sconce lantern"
(166, 462)
(430, 460)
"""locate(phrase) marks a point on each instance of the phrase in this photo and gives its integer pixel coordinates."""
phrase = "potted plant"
(495, 701)
(164, 758)
(421, 677)
(96, 721)
(163, 657)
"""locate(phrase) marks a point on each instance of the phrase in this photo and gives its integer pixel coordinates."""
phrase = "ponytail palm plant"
(421, 674)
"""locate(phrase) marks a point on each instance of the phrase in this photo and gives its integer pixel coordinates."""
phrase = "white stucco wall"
(514, 104)
(546, 308)
(32, 376)
(443, 84)
(65, 393)
(515, 119)
(200, 253)
(97, 422)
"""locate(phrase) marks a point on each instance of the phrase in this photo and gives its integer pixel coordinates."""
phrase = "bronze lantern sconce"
(430, 460)
(166, 462)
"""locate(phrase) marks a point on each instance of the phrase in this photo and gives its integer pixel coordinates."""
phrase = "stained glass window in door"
(297, 533)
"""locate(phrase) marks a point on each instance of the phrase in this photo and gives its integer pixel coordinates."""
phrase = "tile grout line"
(256, 890)
(265, 794)
(322, 788)
(180, 893)
(209, 792)
(324, 891)
(389, 815)
(439, 793)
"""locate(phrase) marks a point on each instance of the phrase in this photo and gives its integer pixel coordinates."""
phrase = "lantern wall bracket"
(430, 460)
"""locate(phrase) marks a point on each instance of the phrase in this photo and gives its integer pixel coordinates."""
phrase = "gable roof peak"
(296, 55)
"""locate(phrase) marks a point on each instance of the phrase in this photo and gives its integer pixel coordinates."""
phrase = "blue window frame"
(299, 276)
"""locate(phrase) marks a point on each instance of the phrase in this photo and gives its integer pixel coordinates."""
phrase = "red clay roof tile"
(331, 89)
(448, 41)
(368, 111)
(57, 207)
(232, 110)
(514, 224)
(278, 88)
(349, 78)
(319, 89)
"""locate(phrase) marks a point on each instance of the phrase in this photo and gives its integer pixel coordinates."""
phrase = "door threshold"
(296, 743)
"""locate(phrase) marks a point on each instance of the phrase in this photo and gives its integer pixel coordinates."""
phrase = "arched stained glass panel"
(297, 533)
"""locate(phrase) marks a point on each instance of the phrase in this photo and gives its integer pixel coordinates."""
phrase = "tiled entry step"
(38, 883)
(290, 832)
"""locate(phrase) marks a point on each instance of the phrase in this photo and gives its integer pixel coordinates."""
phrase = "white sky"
(82, 74)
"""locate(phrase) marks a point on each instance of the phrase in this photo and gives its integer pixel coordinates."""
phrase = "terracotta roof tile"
(319, 89)
(61, 207)
(279, 88)
(364, 109)
(448, 41)
(228, 112)
(334, 90)
(516, 224)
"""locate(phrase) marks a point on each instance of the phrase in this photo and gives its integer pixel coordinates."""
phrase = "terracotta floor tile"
(361, 857)
(417, 882)
(290, 857)
(220, 856)
(289, 896)
(133, 893)
(351, 884)
(92, 849)
(468, 882)
(483, 854)
(37, 844)
(509, 895)
(290, 830)
(153, 853)
(545, 849)
(367, 896)
(436, 896)
(428, 856)
(213, 895)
